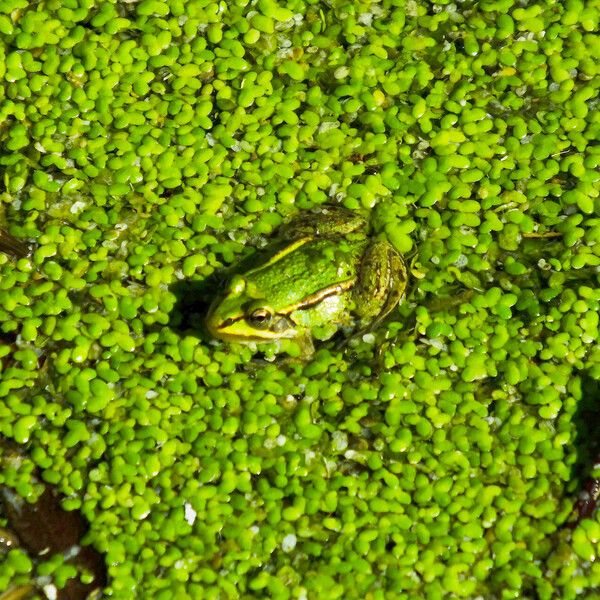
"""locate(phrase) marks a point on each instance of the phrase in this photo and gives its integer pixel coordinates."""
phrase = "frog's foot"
(12, 246)
(304, 343)
(381, 284)
(329, 219)
(298, 350)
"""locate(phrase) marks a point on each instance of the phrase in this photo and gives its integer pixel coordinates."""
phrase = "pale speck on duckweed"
(77, 206)
(289, 542)
(50, 591)
(190, 513)
(340, 440)
(432, 457)
(368, 338)
(461, 261)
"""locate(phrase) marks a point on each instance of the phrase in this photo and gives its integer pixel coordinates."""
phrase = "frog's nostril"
(226, 323)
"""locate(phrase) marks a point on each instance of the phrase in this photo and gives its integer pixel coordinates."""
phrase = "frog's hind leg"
(381, 284)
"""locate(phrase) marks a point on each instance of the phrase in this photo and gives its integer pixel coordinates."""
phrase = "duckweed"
(145, 147)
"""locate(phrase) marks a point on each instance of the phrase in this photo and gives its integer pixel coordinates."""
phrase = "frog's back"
(306, 267)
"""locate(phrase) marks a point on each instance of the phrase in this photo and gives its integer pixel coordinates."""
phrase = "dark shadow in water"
(194, 297)
(582, 488)
(44, 527)
(587, 445)
(193, 301)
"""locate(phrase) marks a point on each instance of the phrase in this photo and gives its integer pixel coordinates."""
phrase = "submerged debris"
(43, 528)
(12, 246)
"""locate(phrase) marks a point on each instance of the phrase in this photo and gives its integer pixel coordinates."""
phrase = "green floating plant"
(146, 148)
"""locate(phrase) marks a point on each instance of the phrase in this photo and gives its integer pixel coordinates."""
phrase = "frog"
(323, 273)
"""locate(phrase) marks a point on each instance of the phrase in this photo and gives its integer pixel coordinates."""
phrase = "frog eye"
(260, 318)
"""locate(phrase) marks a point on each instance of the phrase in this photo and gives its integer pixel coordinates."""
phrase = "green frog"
(322, 274)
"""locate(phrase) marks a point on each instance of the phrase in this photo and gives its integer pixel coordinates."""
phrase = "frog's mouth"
(238, 329)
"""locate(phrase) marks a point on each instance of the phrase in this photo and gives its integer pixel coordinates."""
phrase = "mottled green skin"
(321, 261)
(325, 273)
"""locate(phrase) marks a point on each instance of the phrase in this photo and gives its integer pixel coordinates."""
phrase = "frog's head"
(241, 314)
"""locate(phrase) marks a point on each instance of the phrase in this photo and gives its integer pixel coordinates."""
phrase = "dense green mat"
(146, 145)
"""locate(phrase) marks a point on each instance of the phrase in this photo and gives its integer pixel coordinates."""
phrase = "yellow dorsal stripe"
(287, 250)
